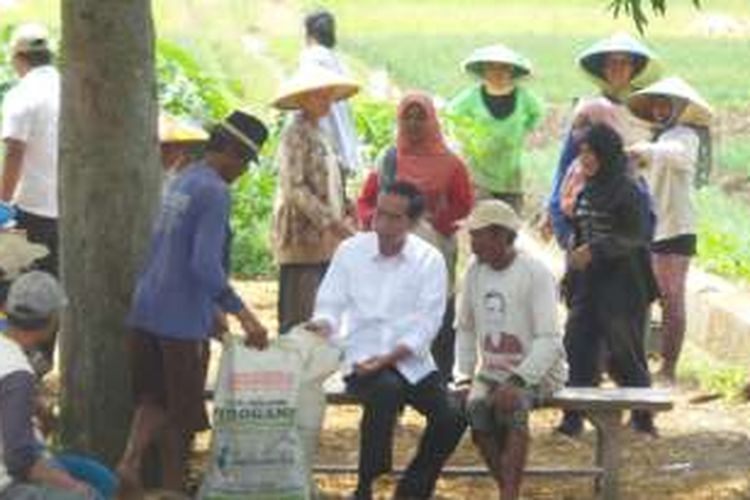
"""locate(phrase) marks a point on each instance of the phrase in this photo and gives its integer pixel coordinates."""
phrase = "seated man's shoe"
(361, 494)
(571, 425)
(643, 423)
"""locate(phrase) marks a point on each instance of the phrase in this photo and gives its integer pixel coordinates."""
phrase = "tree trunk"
(109, 185)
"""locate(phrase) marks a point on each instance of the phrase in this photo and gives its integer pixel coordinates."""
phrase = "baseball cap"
(493, 213)
(29, 37)
(35, 296)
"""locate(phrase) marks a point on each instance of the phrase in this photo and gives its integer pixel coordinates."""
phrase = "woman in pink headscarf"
(422, 158)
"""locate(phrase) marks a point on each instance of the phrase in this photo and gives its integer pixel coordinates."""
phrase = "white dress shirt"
(375, 303)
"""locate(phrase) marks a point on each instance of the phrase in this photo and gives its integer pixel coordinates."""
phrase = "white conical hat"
(16, 253)
(497, 53)
(591, 60)
(696, 110)
(313, 78)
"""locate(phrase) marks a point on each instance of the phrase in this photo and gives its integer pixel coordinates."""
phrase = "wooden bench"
(604, 407)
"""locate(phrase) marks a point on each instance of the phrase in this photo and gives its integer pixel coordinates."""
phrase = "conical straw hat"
(591, 60)
(696, 110)
(312, 78)
(16, 253)
(497, 53)
(173, 129)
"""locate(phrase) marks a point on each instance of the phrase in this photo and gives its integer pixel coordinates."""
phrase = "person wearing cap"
(29, 130)
(670, 161)
(492, 119)
(383, 297)
(609, 283)
(320, 42)
(421, 156)
(180, 144)
(509, 345)
(309, 217)
(184, 280)
(30, 112)
(617, 65)
(26, 471)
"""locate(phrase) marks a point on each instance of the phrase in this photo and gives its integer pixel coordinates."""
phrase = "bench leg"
(607, 425)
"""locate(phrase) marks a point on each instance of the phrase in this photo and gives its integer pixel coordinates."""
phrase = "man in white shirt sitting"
(384, 295)
(508, 344)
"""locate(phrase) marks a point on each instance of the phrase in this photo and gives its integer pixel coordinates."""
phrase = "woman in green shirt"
(492, 119)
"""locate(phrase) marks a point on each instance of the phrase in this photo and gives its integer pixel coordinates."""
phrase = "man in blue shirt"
(181, 291)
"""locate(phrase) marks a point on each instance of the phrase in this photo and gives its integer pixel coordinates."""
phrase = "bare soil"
(703, 451)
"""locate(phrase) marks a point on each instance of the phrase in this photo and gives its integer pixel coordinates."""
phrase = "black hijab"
(611, 182)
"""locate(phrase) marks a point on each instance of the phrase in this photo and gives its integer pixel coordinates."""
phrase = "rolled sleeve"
(20, 449)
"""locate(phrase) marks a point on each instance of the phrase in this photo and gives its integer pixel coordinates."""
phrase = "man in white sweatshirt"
(508, 344)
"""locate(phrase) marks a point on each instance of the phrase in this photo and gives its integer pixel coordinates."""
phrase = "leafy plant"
(184, 87)
(376, 125)
(252, 210)
(723, 234)
(711, 374)
(635, 9)
(7, 76)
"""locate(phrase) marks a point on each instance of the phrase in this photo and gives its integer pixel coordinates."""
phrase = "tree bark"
(109, 186)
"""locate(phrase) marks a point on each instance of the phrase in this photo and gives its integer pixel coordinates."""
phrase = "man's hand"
(319, 327)
(256, 334)
(372, 365)
(580, 257)
(221, 325)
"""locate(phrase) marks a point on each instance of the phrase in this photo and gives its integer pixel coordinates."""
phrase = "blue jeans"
(89, 471)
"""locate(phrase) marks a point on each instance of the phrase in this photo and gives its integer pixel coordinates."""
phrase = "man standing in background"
(29, 130)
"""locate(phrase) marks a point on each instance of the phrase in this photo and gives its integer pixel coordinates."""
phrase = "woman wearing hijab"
(422, 158)
(609, 283)
(493, 118)
(309, 209)
(616, 65)
(670, 162)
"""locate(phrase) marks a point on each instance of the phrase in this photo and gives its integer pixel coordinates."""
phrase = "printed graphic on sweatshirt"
(502, 351)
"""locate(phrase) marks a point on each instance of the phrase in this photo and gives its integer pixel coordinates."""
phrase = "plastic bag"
(268, 408)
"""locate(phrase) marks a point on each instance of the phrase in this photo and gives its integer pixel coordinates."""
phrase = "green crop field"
(240, 48)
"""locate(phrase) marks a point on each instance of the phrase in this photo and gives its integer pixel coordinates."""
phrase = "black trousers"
(444, 346)
(42, 230)
(383, 394)
(605, 319)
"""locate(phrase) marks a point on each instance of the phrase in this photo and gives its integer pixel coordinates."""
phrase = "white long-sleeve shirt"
(671, 162)
(507, 324)
(375, 303)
